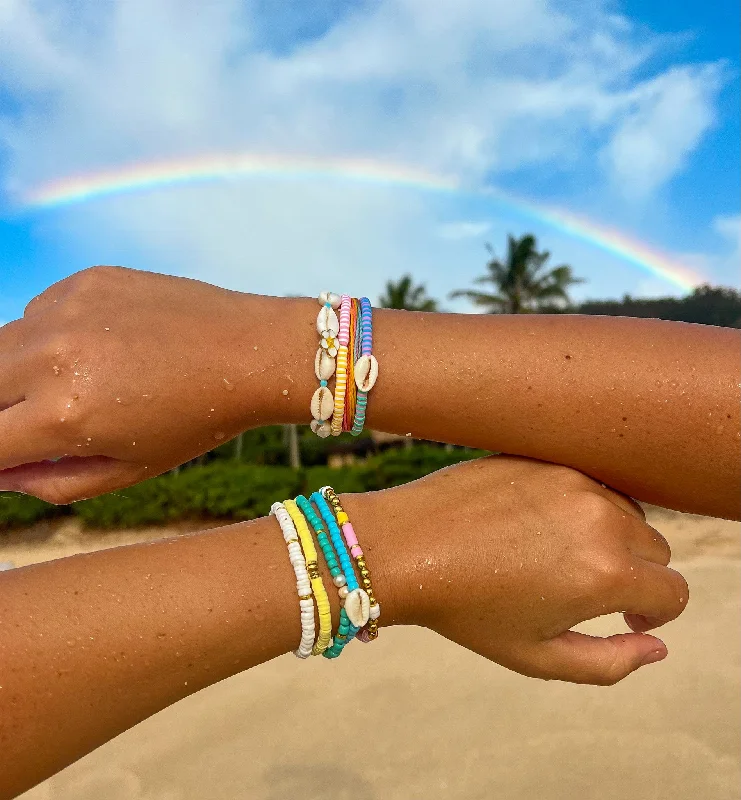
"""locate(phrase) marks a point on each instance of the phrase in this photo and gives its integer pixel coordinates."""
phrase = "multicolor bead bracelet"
(345, 352)
(303, 583)
(328, 326)
(317, 584)
(369, 632)
(359, 610)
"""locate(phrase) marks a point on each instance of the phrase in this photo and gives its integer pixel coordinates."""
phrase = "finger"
(647, 543)
(17, 361)
(659, 595)
(579, 658)
(71, 478)
(25, 435)
(48, 297)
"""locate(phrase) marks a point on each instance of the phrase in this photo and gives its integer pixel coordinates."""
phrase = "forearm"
(93, 644)
(647, 406)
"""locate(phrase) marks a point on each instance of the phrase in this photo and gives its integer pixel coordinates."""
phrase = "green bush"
(395, 467)
(225, 489)
(221, 489)
(17, 510)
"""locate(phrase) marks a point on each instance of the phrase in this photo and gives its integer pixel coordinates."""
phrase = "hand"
(505, 555)
(122, 375)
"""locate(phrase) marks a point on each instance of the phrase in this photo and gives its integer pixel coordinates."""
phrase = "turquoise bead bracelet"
(340, 576)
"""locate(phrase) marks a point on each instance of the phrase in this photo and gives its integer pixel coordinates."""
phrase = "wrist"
(378, 524)
(271, 343)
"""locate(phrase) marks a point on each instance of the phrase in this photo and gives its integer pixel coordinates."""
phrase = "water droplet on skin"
(218, 435)
(228, 385)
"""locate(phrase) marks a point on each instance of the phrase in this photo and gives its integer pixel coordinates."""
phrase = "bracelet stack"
(359, 609)
(345, 353)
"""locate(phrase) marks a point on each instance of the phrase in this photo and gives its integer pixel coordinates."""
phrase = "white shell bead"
(375, 611)
(330, 297)
(365, 606)
(321, 429)
(354, 607)
(322, 404)
(324, 365)
(366, 373)
(327, 320)
(343, 592)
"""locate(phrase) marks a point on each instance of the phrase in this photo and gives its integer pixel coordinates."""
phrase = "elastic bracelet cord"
(370, 631)
(366, 367)
(355, 603)
(322, 600)
(303, 583)
(328, 327)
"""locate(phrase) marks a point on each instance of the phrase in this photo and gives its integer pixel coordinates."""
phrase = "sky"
(383, 138)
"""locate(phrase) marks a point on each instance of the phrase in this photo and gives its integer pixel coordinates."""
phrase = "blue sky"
(624, 112)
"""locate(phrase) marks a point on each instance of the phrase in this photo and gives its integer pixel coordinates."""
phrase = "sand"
(416, 716)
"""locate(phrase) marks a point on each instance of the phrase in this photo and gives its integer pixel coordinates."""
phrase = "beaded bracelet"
(303, 584)
(340, 388)
(361, 615)
(352, 348)
(322, 601)
(369, 632)
(355, 602)
(366, 367)
(328, 326)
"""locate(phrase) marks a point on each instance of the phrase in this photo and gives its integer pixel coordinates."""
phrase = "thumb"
(579, 658)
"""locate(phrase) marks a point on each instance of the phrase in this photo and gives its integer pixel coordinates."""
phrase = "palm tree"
(520, 285)
(405, 295)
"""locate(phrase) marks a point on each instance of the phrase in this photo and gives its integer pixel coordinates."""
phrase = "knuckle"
(608, 572)
(593, 508)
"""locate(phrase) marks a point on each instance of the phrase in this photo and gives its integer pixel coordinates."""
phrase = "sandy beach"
(416, 716)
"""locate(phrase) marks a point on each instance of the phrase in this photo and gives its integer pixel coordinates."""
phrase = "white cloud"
(476, 88)
(463, 230)
(666, 119)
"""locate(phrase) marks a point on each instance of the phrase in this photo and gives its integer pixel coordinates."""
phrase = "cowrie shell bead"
(357, 607)
(354, 608)
(327, 321)
(322, 404)
(330, 297)
(324, 365)
(321, 429)
(366, 373)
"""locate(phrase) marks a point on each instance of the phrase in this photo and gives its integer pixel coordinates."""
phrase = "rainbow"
(208, 168)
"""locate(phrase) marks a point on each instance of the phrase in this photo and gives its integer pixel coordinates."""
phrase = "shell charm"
(375, 611)
(324, 364)
(321, 429)
(322, 404)
(330, 343)
(366, 373)
(327, 321)
(330, 297)
(357, 607)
